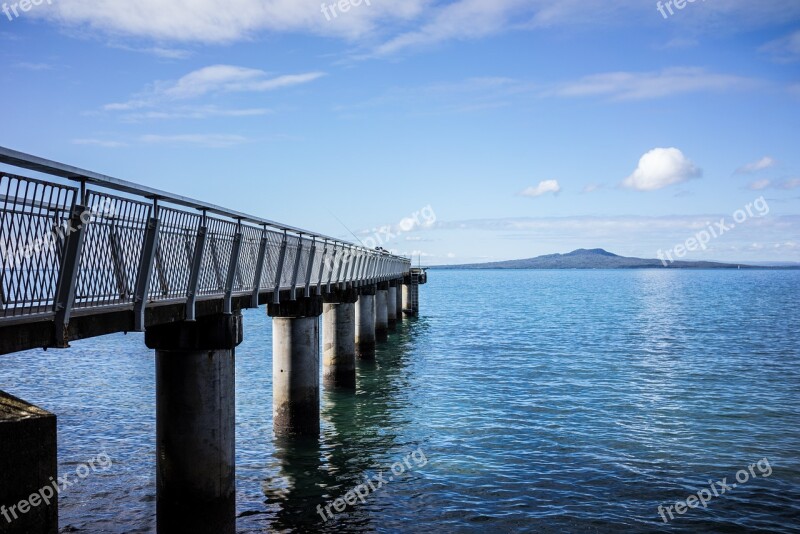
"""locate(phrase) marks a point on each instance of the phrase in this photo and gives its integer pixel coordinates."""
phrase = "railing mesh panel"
(34, 219)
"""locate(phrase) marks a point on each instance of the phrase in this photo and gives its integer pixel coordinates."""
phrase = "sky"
(456, 132)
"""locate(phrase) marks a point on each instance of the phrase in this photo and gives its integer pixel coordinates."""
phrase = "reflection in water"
(304, 482)
(358, 430)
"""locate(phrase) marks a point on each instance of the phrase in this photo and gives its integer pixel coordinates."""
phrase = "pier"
(86, 255)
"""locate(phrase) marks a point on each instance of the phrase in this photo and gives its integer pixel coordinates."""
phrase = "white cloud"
(216, 79)
(647, 85)
(398, 25)
(546, 186)
(206, 140)
(764, 163)
(661, 167)
(210, 21)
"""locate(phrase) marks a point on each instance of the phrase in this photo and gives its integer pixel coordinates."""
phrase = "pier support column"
(382, 312)
(365, 323)
(295, 367)
(339, 340)
(399, 299)
(391, 306)
(195, 425)
(28, 467)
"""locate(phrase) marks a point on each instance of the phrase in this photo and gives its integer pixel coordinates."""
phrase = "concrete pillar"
(382, 314)
(339, 345)
(195, 424)
(399, 299)
(408, 300)
(295, 367)
(391, 306)
(365, 323)
(28, 467)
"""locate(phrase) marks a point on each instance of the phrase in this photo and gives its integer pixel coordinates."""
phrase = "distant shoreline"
(599, 259)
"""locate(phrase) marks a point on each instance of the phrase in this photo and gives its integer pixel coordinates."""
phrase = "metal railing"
(65, 248)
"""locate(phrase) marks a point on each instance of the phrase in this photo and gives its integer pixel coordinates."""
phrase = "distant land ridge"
(597, 258)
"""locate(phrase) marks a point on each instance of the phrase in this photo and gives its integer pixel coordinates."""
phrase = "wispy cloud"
(105, 143)
(784, 50)
(764, 163)
(159, 51)
(759, 185)
(792, 183)
(215, 79)
(194, 112)
(648, 85)
(34, 66)
(464, 19)
(397, 26)
(591, 188)
(786, 185)
(661, 167)
(205, 140)
(492, 92)
(469, 95)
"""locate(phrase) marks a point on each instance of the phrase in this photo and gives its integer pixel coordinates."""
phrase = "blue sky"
(502, 128)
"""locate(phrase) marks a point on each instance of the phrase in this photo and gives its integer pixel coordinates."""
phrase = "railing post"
(344, 266)
(262, 255)
(68, 275)
(276, 295)
(197, 264)
(373, 269)
(296, 270)
(333, 268)
(322, 269)
(146, 262)
(342, 262)
(233, 266)
(310, 267)
(355, 275)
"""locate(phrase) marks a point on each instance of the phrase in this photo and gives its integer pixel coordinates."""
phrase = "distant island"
(601, 259)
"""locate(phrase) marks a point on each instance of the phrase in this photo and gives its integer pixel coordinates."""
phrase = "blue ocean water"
(533, 401)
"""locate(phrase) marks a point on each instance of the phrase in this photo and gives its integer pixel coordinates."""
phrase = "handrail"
(22, 160)
(65, 248)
